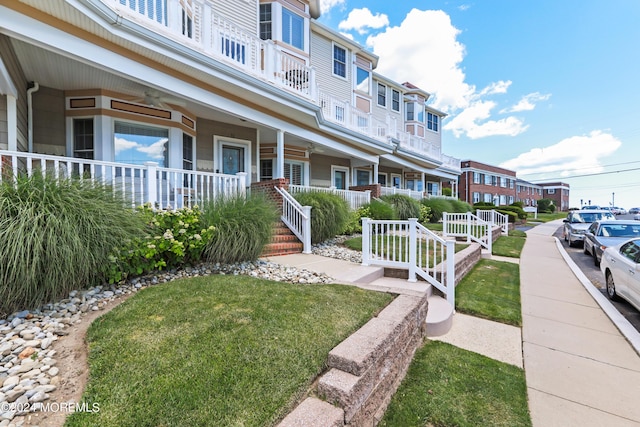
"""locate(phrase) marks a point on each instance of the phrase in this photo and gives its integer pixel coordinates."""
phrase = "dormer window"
(292, 29)
(415, 112)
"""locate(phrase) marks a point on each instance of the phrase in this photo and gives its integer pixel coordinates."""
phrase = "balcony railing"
(193, 23)
(418, 195)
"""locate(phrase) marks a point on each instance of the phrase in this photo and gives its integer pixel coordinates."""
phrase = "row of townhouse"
(251, 87)
(480, 182)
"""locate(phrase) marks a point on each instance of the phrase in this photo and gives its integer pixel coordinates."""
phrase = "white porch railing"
(495, 218)
(418, 195)
(194, 24)
(163, 188)
(407, 244)
(297, 218)
(355, 199)
(469, 226)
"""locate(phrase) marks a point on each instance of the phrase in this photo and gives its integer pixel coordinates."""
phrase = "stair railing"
(297, 218)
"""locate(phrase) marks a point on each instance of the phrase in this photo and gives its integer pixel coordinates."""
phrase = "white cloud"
(362, 19)
(122, 144)
(499, 87)
(577, 154)
(326, 5)
(473, 121)
(155, 150)
(347, 35)
(527, 103)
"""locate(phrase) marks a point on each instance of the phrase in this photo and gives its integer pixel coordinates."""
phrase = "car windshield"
(620, 230)
(587, 217)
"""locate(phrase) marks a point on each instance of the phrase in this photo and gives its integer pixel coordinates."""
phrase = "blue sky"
(549, 89)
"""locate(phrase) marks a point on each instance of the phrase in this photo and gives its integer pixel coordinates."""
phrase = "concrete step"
(439, 316)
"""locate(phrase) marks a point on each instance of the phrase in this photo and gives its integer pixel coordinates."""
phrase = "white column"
(279, 172)
(258, 171)
(175, 148)
(375, 173)
(12, 123)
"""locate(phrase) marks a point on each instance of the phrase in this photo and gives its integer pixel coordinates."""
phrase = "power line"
(564, 178)
(579, 169)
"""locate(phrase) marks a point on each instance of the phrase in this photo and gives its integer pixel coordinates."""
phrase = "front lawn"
(508, 246)
(448, 386)
(217, 350)
(491, 291)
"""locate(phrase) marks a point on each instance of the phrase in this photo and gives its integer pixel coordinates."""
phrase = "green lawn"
(508, 246)
(448, 386)
(543, 217)
(217, 350)
(492, 291)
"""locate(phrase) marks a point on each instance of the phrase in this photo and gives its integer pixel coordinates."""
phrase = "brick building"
(528, 193)
(558, 192)
(480, 182)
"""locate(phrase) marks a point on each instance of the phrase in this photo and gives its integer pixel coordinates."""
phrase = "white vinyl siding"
(321, 58)
(243, 14)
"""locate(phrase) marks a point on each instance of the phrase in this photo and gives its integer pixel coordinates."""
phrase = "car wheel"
(571, 243)
(611, 288)
(595, 258)
(566, 237)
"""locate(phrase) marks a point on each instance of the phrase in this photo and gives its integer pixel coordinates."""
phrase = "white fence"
(355, 199)
(163, 188)
(407, 244)
(297, 218)
(418, 195)
(469, 226)
(495, 218)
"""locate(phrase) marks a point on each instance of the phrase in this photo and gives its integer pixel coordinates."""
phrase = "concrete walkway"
(580, 369)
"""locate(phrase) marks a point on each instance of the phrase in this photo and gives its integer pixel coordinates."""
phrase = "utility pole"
(613, 199)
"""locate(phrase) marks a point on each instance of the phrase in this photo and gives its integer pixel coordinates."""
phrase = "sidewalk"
(580, 369)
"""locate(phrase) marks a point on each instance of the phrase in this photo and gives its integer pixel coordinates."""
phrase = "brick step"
(279, 231)
(281, 238)
(275, 249)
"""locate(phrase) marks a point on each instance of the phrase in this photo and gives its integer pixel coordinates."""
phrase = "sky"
(549, 89)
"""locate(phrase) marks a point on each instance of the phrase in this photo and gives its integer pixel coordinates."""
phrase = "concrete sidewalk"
(580, 369)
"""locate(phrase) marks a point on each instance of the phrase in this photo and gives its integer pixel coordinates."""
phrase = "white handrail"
(418, 195)
(495, 218)
(407, 244)
(469, 226)
(355, 199)
(297, 218)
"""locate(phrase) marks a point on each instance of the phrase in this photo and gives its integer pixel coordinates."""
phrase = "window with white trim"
(294, 172)
(503, 182)
(488, 198)
(476, 197)
(363, 80)
(265, 21)
(136, 144)
(476, 177)
(187, 152)
(395, 100)
(510, 200)
(339, 61)
(292, 29)
(551, 191)
(83, 137)
(382, 179)
(266, 169)
(339, 177)
(487, 179)
(363, 177)
(382, 95)
(511, 183)
(432, 122)
(396, 180)
(503, 199)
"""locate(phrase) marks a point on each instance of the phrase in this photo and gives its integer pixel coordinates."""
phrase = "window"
(292, 29)
(363, 177)
(476, 197)
(339, 61)
(510, 200)
(187, 152)
(395, 100)
(503, 200)
(396, 180)
(551, 191)
(362, 80)
(187, 24)
(382, 179)
(137, 144)
(488, 198)
(476, 177)
(265, 21)
(432, 122)
(382, 95)
(339, 177)
(494, 181)
(293, 172)
(410, 111)
(503, 182)
(511, 183)
(433, 188)
(266, 169)
(83, 138)
(487, 179)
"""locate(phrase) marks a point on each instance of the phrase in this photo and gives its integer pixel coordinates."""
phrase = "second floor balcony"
(194, 24)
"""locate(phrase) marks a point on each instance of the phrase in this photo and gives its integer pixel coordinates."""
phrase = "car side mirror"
(565, 220)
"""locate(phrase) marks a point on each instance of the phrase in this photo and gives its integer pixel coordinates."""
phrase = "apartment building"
(528, 193)
(480, 182)
(558, 192)
(256, 88)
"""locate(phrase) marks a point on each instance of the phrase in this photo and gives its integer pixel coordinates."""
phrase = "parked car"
(634, 211)
(618, 210)
(590, 208)
(621, 268)
(602, 234)
(577, 222)
(637, 217)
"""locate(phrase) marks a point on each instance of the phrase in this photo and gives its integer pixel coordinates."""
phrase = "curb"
(623, 325)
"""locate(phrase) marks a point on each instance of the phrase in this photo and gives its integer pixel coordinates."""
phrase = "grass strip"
(508, 246)
(448, 386)
(491, 291)
(217, 350)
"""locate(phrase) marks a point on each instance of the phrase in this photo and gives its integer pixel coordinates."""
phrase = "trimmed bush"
(57, 236)
(405, 206)
(459, 206)
(438, 206)
(354, 225)
(243, 226)
(329, 214)
(379, 209)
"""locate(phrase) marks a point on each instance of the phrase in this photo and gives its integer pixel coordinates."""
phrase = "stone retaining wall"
(366, 368)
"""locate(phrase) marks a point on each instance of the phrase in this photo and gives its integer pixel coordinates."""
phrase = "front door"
(232, 159)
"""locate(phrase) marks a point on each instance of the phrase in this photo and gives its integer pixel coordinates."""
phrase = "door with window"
(232, 159)
(339, 177)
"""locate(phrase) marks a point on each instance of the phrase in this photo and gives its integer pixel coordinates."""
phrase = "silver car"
(602, 234)
(621, 268)
(577, 222)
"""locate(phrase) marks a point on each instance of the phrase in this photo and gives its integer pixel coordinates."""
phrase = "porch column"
(279, 172)
(424, 184)
(375, 174)
(175, 147)
(12, 123)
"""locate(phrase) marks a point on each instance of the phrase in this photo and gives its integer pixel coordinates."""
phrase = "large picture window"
(292, 29)
(136, 144)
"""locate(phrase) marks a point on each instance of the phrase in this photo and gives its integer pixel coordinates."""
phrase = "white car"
(578, 222)
(621, 268)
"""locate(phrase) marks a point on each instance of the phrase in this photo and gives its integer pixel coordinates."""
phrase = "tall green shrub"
(379, 209)
(243, 226)
(56, 236)
(329, 214)
(438, 206)
(406, 207)
(459, 206)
